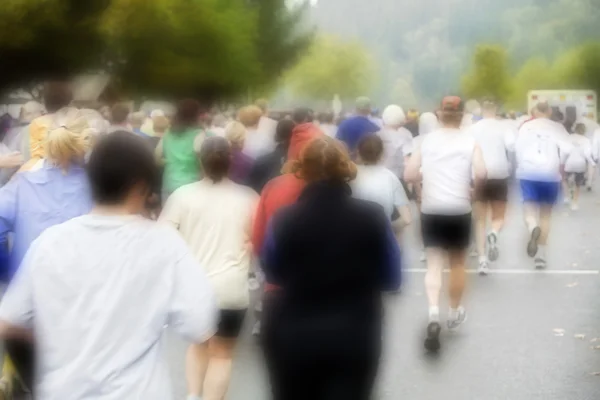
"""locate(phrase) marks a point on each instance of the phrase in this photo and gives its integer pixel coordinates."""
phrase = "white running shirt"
(215, 220)
(397, 144)
(446, 166)
(98, 291)
(542, 146)
(580, 155)
(495, 138)
(378, 184)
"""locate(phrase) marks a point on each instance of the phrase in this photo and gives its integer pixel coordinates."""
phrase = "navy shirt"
(352, 130)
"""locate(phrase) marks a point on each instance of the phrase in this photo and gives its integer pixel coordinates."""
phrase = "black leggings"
(22, 356)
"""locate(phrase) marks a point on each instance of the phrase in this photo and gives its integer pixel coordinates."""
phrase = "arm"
(193, 310)
(401, 203)
(11, 160)
(413, 169)
(479, 168)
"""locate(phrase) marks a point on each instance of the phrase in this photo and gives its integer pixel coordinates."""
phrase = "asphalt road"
(530, 335)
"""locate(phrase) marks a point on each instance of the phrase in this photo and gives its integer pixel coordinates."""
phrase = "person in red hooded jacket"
(285, 189)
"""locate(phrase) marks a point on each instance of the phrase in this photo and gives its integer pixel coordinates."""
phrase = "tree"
(332, 66)
(535, 74)
(489, 75)
(169, 48)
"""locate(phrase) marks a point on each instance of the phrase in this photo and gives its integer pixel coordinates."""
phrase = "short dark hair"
(120, 161)
(326, 117)
(57, 95)
(119, 113)
(370, 149)
(215, 157)
(302, 115)
(283, 133)
(187, 114)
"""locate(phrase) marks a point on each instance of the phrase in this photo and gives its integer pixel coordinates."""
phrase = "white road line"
(521, 271)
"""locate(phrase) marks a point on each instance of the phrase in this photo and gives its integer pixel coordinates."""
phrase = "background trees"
(204, 48)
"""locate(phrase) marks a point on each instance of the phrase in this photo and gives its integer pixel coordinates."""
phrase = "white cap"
(393, 115)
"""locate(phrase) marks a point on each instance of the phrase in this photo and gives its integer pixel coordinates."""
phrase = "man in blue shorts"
(542, 147)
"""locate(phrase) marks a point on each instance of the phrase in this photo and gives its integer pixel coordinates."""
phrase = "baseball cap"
(363, 103)
(453, 104)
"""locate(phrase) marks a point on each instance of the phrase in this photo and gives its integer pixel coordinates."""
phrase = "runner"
(327, 125)
(376, 183)
(496, 140)
(332, 256)
(225, 209)
(356, 127)
(542, 147)
(51, 193)
(448, 158)
(577, 164)
(121, 278)
(241, 164)
(397, 142)
(260, 138)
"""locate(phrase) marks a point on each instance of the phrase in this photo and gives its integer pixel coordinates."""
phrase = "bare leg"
(575, 201)
(545, 219)
(531, 212)
(196, 363)
(498, 214)
(480, 212)
(218, 374)
(458, 277)
(436, 259)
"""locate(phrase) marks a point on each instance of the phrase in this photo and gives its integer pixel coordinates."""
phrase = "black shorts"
(492, 190)
(230, 323)
(449, 232)
(577, 177)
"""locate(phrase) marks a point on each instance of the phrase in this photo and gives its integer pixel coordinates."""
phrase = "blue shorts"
(540, 192)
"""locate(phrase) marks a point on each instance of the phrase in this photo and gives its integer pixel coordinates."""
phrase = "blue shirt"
(352, 130)
(36, 200)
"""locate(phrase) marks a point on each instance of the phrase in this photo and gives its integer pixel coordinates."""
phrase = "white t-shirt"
(258, 143)
(98, 291)
(329, 129)
(580, 155)
(495, 138)
(446, 166)
(542, 146)
(215, 220)
(378, 184)
(397, 144)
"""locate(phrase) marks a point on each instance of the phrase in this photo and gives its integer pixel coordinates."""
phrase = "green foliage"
(208, 49)
(489, 75)
(332, 66)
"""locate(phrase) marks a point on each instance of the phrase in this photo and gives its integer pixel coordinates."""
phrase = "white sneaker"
(484, 268)
(454, 321)
(540, 263)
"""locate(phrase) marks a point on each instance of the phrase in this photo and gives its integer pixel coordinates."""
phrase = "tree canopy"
(168, 48)
(489, 76)
(333, 66)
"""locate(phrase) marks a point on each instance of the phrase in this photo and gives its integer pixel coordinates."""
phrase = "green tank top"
(181, 161)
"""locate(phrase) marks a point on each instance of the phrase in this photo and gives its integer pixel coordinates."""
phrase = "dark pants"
(305, 364)
(22, 356)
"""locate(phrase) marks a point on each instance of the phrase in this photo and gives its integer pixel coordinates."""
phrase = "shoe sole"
(493, 253)
(532, 246)
(432, 343)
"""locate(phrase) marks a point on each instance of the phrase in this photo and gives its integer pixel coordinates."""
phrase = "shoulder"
(244, 193)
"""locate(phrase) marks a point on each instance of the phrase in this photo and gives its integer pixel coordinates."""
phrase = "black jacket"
(266, 168)
(332, 255)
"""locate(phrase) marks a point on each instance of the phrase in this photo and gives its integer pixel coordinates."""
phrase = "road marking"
(520, 271)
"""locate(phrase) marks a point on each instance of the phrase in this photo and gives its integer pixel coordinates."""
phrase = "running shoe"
(432, 342)
(532, 246)
(484, 268)
(574, 207)
(493, 252)
(460, 318)
(540, 263)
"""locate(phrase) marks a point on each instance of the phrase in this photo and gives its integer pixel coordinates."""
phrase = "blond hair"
(69, 140)
(236, 134)
(250, 116)
(160, 124)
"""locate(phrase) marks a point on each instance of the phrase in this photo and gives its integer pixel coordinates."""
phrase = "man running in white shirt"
(496, 139)
(397, 142)
(95, 293)
(446, 159)
(577, 164)
(541, 148)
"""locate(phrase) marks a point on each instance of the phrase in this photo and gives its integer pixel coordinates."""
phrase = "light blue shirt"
(36, 200)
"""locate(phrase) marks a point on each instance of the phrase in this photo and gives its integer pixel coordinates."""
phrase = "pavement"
(530, 335)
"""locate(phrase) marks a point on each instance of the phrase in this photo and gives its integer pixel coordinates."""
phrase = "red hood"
(301, 135)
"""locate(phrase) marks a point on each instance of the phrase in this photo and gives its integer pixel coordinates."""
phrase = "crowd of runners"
(116, 225)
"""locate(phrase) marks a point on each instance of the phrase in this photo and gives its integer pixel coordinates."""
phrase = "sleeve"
(16, 308)
(391, 268)
(172, 211)
(8, 205)
(193, 310)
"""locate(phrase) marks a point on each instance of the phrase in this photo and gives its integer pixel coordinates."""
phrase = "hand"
(12, 160)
